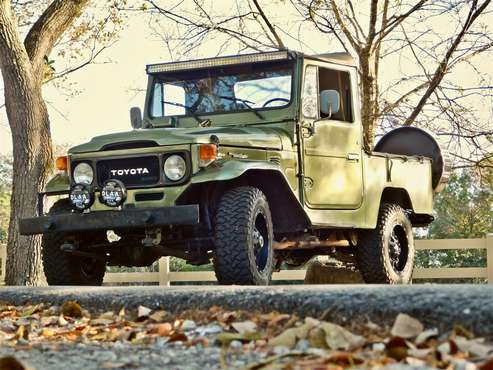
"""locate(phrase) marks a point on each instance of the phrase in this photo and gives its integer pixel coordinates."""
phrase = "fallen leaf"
(317, 338)
(49, 320)
(158, 316)
(32, 309)
(22, 333)
(244, 327)
(11, 363)
(226, 338)
(463, 332)
(474, 347)
(110, 315)
(263, 364)
(122, 312)
(287, 339)
(415, 362)
(406, 326)
(487, 365)
(426, 335)
(101, 322)
(62, 321)
(420, 353)
(143, 312)
(46, 332)
(178, 337)
(71, 309)
(337, 337)
(164, 329)
(345, 359)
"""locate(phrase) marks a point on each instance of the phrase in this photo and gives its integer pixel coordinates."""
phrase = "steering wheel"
(273, 100)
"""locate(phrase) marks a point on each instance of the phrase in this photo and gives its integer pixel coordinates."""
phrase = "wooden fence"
(165, 277)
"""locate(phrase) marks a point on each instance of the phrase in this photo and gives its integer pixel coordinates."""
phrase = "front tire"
(244, 236)
(385, 255)
(62, 268)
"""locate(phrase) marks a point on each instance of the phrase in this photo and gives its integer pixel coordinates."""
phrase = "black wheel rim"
(398, 248)
(88, 267)
(261, 242)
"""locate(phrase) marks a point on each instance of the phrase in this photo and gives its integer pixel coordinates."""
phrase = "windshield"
(222, 90)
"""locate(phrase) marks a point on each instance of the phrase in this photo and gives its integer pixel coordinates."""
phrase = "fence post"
(489, 257)
(164, 271)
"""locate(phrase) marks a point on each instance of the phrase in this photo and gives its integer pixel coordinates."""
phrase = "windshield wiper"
(188, 109)
(246, 103)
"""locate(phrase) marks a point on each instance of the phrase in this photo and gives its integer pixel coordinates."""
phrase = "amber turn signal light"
(61, 163)
(207, 154)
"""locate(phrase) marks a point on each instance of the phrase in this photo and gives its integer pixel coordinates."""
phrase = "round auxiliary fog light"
(81, 197)
(113, 193)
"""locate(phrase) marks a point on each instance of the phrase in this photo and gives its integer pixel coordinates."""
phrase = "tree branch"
(444, 64)
(48, 29)
(280, 44)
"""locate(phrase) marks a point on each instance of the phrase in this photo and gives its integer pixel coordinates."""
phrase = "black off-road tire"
(240, 256)
(376, 255)
(62, 268)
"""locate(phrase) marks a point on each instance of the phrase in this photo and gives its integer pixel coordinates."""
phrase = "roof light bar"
(215, 62)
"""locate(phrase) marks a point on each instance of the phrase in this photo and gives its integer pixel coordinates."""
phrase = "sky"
(107, 88)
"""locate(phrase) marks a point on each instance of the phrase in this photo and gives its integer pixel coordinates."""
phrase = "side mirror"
(135, 118)
(330, 102)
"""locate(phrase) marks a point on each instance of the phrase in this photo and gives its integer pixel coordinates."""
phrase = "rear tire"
(244, 236)
(62, 268)
(385, 255)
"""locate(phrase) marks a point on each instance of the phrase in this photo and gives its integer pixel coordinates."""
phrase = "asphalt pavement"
(440, 306)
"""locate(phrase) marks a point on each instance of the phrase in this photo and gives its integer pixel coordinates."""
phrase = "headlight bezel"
(184, 163)
(76, 180)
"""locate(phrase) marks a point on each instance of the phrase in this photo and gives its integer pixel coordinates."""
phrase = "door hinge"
(307, 130)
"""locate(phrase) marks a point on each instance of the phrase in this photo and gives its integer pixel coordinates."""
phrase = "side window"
(332, 83)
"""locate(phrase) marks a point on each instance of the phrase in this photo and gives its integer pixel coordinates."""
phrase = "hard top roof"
(339, 58)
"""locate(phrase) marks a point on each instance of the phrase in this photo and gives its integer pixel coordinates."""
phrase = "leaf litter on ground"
(285, 341)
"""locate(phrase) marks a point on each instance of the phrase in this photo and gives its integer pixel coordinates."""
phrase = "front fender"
(231, 169)
(60, 183)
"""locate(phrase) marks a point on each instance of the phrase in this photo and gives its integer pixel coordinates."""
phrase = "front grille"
(133, 172)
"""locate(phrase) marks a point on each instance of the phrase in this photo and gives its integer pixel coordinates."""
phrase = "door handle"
(352, 157)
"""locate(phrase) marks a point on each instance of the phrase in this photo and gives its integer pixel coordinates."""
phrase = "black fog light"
(113, 193)
(81, 197)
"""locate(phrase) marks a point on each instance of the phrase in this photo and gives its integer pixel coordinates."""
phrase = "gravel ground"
(125, 356)
(438, 306)
(120, 355)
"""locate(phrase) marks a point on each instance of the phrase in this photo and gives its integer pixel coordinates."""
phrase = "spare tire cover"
(413, 141)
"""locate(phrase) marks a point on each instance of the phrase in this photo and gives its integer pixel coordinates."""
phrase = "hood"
(255, 137)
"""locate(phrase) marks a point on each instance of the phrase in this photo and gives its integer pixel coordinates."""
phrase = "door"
(331, 139)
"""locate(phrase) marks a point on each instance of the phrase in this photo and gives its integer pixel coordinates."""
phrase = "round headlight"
(175, 167)
(81, 197)
(83, 173)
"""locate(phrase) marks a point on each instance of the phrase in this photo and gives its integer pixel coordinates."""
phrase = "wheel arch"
(397, 196)
(287, 213)
(401, 197)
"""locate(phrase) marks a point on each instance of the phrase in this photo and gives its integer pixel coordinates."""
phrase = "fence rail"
(165, 277)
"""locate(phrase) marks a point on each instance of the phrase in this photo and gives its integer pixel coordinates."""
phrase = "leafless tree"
(433, 38)
(26, 66)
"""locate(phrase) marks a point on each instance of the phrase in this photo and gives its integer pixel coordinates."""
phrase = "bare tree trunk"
(369, 100)
(29, 123)
(32, 152)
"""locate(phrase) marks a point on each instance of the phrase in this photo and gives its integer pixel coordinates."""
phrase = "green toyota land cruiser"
(247, 161)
